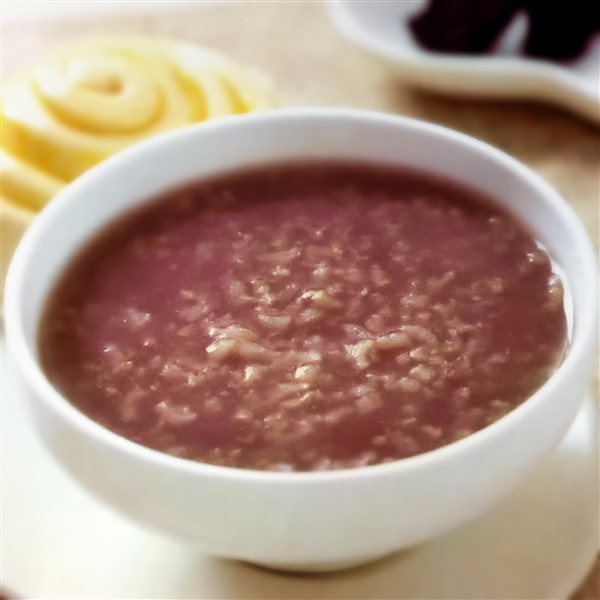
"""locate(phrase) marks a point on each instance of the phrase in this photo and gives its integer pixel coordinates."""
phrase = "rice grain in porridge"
(305, 317)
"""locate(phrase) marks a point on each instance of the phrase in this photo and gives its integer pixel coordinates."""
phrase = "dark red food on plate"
(467, 26)
(305, 317)
(559, 30)
(556, 30)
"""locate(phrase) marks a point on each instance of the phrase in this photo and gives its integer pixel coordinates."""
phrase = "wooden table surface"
(312, 65)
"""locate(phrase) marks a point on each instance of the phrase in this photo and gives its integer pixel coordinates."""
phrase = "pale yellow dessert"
(92, 98)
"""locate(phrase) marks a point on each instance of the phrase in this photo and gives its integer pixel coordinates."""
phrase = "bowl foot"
(319, 567)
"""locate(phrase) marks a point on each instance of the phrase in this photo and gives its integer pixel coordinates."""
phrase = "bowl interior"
(144, 171)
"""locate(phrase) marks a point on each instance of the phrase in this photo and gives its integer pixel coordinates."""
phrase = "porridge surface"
(305, 317)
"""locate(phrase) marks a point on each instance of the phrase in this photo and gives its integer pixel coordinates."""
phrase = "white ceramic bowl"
(303, 521)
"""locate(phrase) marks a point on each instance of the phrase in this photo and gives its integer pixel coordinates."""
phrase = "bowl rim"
(25, 361)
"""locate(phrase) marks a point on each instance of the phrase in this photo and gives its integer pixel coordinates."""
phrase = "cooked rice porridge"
(305, 317)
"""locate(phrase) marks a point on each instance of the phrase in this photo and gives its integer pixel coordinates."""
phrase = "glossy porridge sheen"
(305, 317)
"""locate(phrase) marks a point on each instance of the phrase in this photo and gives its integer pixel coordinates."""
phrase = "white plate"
(58, 542)
(381, 26)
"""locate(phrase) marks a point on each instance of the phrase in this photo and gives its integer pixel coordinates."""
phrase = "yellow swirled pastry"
(93, 98)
